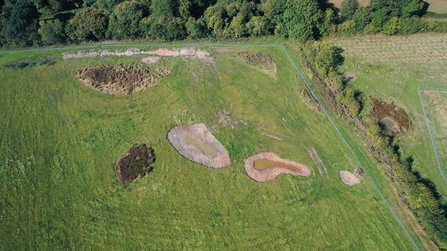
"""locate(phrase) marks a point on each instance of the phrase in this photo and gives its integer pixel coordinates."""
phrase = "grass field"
(396, 79)
(435, 105)
(60, 140)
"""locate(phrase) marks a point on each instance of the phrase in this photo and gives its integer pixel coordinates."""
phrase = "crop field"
(435, 105)
(60, 141)
(437, 6)
(418, 48)
(396, 79)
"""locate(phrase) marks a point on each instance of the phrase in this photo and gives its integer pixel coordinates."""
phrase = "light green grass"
(435, 103)
(397, 81)
(60, 140)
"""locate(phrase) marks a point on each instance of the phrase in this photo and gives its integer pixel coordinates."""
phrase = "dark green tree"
(216, 19)
(87, 24)
(105, 6)
(53, 32)
(22, 22)
(301, 20)
(348, 8)
(362, 17)
(125, 20)
(164, 8)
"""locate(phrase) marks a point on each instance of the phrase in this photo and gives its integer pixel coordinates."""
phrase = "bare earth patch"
(197, 144)
(163, 52)
(391, 119)
(135, 164)
(348, 178)
(121, 79)
(274, 167)
(349, 76)
(149, 60)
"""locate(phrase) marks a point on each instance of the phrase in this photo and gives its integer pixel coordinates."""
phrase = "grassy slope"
(435, 102)
(397, 81)
(60, 140)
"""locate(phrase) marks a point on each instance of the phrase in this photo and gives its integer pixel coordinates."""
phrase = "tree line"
(48, 22)
(419, 193)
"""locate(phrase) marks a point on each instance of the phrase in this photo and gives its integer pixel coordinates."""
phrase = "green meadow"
(60, 141)
(435, 104)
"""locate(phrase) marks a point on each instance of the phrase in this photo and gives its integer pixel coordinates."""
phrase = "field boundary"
(308, 86)
(430, 131)
(323, 108)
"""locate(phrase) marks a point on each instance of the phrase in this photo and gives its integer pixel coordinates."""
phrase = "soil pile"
(390, 118)
(197, 144)
(260, 61)
(348, 178)
(121, 79)
(135, 164)
(277, 166)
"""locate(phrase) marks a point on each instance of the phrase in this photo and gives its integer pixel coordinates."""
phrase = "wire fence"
(430, 131)
(349, 147)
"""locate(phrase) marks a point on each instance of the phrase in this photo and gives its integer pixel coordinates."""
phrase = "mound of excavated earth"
(197, 144)
(348, 178)
(266, 166)
(135, 164)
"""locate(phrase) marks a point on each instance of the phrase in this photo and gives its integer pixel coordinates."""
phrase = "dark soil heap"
(136, 164)
(381, 110)
(121, 79)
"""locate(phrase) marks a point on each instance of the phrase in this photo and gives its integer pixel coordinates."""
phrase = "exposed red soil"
(136, 164)
(294, 168)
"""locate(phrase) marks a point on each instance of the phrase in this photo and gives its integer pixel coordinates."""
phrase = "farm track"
(324, 109)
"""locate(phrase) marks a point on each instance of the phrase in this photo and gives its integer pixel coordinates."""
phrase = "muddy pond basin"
(205, 147)
(264, 163)
(388, 124)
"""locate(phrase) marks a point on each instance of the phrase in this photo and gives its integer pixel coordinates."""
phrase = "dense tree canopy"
(301, 20)
(47, 22)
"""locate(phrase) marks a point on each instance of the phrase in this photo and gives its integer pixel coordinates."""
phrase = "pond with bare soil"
(266, 166)
(265, 163)
(205, 147)
(388, 124)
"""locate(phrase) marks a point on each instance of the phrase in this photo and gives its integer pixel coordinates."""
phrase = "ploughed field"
(61, 139)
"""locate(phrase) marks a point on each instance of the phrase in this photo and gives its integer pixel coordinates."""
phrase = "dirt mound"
(390, 118)
(197, 144)
(121, 79)
(260, 61)
(348, 178)
(135, 164)
(266, 166)
(349, 76)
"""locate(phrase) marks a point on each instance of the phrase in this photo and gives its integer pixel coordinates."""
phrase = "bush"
(167, 29)
(411, 25)
(87, 24)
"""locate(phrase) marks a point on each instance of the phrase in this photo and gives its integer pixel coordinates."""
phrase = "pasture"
(390, 69)
(60, 141)
(435, 106)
